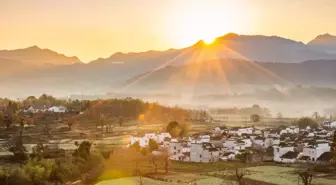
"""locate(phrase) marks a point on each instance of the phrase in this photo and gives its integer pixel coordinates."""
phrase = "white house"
(247, 142)
(284, 131)
(144, 139)
(281, 150)
(259, 141)
(257, 132)
(31, 109)
(227, 156)
(235, 145)
(315, 150)
(175, 150)
(240, 131)
(289, 157)
(162, 136)
(271, 141)
(34, 109)
(219, 130)
(203, 152)
(197, 138)
(329, 124)
(57, 109)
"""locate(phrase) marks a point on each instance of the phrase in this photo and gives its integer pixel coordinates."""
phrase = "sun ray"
(165, 64)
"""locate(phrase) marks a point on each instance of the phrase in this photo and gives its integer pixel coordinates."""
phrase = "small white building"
(329, 124)
(281, 150)
(60, 109)
(144, 139)
(175, 150)
(315, 150)
(236, 144)
(240, 131)
(247, 142)
(31, 109)
(227, 156)
(197, 138)
(289, 157)
(34, 109)
(271, 141)
(162, 136)
(203, 152)
(258, 132)
(219, 130)
(259, 141)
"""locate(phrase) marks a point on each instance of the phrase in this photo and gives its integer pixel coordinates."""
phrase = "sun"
(209, 40)
(186, 25)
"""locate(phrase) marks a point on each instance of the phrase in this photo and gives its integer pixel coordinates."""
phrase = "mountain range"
(231, 61)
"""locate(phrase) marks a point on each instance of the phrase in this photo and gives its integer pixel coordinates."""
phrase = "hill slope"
(251, 47)
(325, 43)
(37, 56)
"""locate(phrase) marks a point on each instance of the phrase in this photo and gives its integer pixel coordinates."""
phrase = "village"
(160, 143)
(279, 144)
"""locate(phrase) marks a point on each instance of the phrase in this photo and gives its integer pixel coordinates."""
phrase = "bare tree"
(166, 156)
(239, 174)
(138, 173)
(306, 176)
(140, 180)
(154, 159)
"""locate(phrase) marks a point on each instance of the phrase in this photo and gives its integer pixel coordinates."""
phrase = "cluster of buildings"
(280, 144)
(44, 108)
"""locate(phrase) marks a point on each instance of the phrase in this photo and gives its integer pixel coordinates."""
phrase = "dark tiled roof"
(227, 154)
(290, 155)
(223, 127)
(186, 153)
(204, 144)
(283, 144)
(216, 138)
(326, 156)
(167, 139)
(213, 150)
(304, 158)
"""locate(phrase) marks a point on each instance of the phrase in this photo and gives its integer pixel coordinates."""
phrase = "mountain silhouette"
(36, 56)
(325, 43)
(232, 60)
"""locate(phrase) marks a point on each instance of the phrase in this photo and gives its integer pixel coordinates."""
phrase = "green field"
(148, 181)
(283, 176)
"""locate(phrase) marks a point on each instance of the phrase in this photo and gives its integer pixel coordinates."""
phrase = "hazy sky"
(97, 28)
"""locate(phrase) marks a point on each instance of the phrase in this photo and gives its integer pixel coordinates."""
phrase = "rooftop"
(290, 155)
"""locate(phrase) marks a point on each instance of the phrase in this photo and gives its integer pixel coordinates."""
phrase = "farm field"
(282, 176)
(148, 181)
(268, 175)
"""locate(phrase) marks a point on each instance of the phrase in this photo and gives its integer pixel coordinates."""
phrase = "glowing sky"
(97, 28)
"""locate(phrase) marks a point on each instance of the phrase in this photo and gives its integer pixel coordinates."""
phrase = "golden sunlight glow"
(204, 22)
(209, 40)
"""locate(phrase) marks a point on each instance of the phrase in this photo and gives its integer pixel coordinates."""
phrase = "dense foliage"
(82, 165)
(305, 122)
(117, 110)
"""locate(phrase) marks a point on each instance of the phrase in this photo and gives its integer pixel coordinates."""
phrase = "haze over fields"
(232, 64)
(84, 50)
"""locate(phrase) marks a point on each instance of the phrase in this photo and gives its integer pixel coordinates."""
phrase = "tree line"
(118, 109)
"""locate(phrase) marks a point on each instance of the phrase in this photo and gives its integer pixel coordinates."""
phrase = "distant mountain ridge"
(325, 43)
(232, 60)
(36, 56)
(251, 47)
